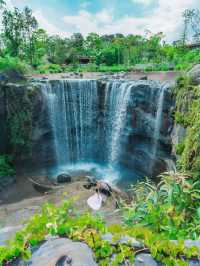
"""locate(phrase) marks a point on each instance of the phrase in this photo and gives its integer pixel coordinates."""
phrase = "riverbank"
(131, 75)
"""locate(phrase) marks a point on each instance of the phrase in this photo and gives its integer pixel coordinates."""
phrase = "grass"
(8, 63)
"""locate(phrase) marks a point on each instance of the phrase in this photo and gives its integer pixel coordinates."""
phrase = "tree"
(77, 41)
(30, 26)
(40, 46)
(187, 16)
(2, 4)
(60, 51)
(13, 30)
(19, 28)
(195, 24)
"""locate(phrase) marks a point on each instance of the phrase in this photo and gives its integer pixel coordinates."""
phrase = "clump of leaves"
(6, 168)
(188, 115)
(170, 208)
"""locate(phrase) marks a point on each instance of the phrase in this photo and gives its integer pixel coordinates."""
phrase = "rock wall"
(137, 138)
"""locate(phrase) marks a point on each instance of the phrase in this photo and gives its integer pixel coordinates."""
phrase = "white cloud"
(166, 18)
(48, 26)
(86, 22)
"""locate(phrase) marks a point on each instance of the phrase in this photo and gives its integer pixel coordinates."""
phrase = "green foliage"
(8, 63)
(6, 168)
(21, 38)
(97, 68)
(169, 208)
(20, 118)
(188, 115)
(180, 147)
(65, 222)
(114, 68)
(18, 32)
(49, 68)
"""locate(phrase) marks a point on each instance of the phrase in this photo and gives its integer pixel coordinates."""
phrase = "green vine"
(188, 115)
(20, 100)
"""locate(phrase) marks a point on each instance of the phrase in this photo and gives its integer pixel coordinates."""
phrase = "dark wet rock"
(136, 141)
(3, 78)
(64, 178)
(90, 182)
(194, 74)
(6, 181)
(60, 251)
(144, 78)
(64, 261)
(11, 75)
(104, 188)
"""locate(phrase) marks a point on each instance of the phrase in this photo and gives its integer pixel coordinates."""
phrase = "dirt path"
(12, 214)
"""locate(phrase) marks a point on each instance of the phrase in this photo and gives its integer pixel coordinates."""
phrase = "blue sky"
(65, 17)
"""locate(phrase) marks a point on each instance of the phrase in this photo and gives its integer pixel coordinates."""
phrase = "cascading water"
(71, 110)
(91, 126)
(158, 124)
(117, 99)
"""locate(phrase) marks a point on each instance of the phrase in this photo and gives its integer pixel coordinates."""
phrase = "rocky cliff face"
(135, 141)
(3, 137)
(136, 137)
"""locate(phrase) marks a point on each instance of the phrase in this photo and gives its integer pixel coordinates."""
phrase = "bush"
(170, 208)
(49, 68)
(6, 168)
(63, 221)
(180, 148)
(13, 63)
(114, 68)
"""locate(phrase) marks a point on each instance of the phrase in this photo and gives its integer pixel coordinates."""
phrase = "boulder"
(61, 252)
(6, 181)
(104, 188)
(64, 178)
(11, 75)
(194, 74)
(144, 78)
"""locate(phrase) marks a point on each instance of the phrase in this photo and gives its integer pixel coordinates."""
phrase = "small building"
(84, 60)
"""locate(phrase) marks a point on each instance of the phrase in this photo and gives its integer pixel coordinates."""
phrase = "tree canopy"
(22, 38)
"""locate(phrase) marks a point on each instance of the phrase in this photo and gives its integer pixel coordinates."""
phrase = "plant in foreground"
(65, 222)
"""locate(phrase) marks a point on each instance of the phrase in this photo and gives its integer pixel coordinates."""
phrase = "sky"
(65, 17)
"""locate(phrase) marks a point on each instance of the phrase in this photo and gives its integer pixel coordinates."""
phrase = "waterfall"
(92, 127)
(72, 107)
(117, 99)
(158, 124)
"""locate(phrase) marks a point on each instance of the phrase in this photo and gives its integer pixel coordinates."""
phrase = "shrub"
(170, 208)
(49, 68)
(6, 168)
(114, 68)
(63, 221)
(180, 148)
(13, 63)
